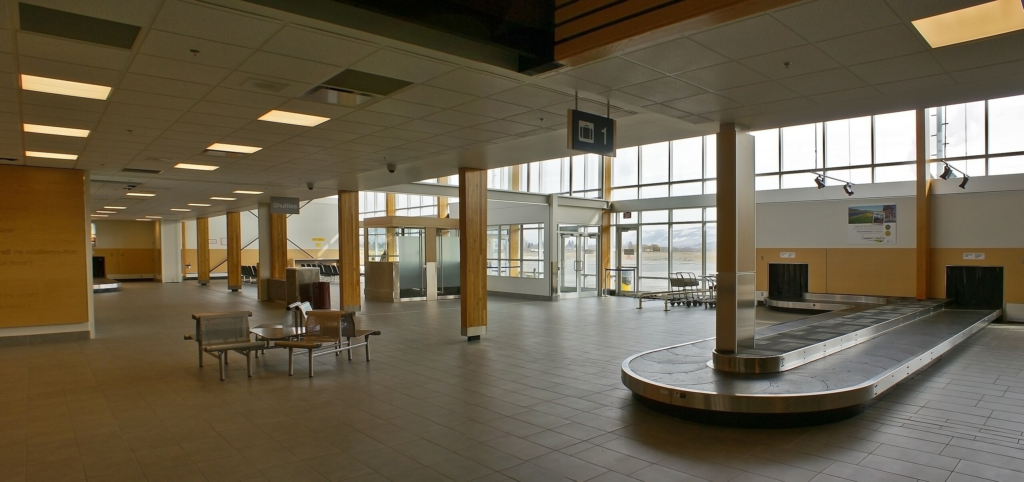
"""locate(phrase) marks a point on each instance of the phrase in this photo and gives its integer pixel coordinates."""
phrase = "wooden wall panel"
(865, 271)
(44, 278)
(815, 258)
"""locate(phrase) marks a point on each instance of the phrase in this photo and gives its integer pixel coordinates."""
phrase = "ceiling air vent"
(140, 171)
(355, 87)
(265, 85)
(73, 26)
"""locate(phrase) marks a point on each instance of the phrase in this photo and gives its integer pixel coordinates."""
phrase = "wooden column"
(203, 250)
(924, 219)
(389, 210)
(514, 235)
(514, 178)
(278, 245)
(234, 251)
(348, 251)
(442, 201)
(606, 223)
(734, 315)
(473, 251)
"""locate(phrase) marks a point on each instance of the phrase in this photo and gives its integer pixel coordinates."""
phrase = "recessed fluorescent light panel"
(181, 210)
(98, 215)
(224, 198)
(114, 207)
(972, 23)
(282, 117)
(154, 217)
(107, 212)
(195, 167)
(139, 194)
(51, 155)
(199, 205)
(55, 131)
(64, 87)
(247, 192)
(143, 219)
(233, 148)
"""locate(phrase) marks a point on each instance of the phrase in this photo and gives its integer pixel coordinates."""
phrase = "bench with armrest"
(327, 331)
(218, 333)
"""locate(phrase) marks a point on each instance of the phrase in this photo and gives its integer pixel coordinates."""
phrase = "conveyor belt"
(680, 375)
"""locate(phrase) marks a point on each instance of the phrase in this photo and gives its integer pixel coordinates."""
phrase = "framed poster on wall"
(875, 224)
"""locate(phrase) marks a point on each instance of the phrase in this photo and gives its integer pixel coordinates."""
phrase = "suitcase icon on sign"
(586, 132)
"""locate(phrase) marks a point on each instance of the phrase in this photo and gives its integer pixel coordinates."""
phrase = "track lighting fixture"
(820, 181)
(949, 172)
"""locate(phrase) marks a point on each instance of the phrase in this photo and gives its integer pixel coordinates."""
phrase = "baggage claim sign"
(591, 133)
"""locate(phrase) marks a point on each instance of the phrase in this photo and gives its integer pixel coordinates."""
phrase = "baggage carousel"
(103, 285)
(835, 361)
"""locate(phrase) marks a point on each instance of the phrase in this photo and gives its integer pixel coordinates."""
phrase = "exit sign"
(591, 133)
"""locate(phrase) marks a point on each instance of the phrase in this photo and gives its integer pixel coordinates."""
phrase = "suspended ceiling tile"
(169, 45)
(398, 65)
(449, 141)
(244, 98)
(461, 119)
(505, 127)
(845, 95)
(296, 42)
(620, 98)
(428, 127)
(802, 60)
(314, 108)
(433, 96)
(989, 72)
(348, 126)
(178, 70)
(380, 141)
(491, 108)
(141, 110)
(90, 117)
(661, 90)
(402, 108)
(375, 118)
(205, 130)
(991, 51)
(749, 37)
(825, 19)
(266, 63)
(264, 84)
(822, 82)
(405, 135)
(883, 43)
(759, 93)
(913, 9)
(900, 68)
(539, 118)
(213, 120)
(214, 24)
(786, 105)
(573, 83)
(666, 110)
(700, 104)
(78, 53)
(65, 71)
(531, 96)
(732, 114)
(473, 82)
(237, 111)
(334, 136)
(164, 86)
(151, 100)
(916, 85)
(313, 141)
(614, 72)
(722, 76)
(60, 101)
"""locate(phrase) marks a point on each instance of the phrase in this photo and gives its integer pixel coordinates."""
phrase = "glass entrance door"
(626, 257)
(580, 256)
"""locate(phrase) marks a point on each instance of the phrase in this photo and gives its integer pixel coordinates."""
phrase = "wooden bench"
(327, 331)
(218, 333)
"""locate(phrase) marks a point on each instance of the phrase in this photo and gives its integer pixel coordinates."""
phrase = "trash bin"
(321, 295)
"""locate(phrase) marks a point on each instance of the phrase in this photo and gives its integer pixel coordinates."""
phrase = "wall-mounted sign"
(871, 224)
(319, 240)
(627, 215)
(787, 254)
(213, 241)
(591, 133)
(284, 205)
(974, 255)
(224, 241)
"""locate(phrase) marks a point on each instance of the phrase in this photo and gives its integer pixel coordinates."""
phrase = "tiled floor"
(538, 399)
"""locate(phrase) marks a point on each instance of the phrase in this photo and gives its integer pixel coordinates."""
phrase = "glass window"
(687, 159)
(764, 183)
(798, 180)
(648, 217)
(848, 142)
(856, 176)
(710, 156)
(650, 192)
(1005, 125)
(654, 163)
(895, 138)
(963, 130)
(801, 148)
(687, 248)
(710, 187)
(687, 189)
(1006, 165)
(766, 151)
(654, 250)
(711, 256)
(905, 172)
(625, 167)
(687, 215)
(624, 194)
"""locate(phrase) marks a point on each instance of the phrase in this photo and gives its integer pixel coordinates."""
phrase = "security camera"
(309, 185)
(392, 168)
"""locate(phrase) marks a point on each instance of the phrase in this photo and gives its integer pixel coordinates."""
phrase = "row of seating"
(249, 274)
(326, 270)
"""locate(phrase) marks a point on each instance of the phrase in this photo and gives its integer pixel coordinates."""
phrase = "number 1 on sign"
(604, 132)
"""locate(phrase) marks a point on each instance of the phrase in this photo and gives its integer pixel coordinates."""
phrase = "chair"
(324, 332)
(219, 333)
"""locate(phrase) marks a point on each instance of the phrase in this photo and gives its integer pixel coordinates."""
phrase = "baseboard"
(43, 338)
(521, 296)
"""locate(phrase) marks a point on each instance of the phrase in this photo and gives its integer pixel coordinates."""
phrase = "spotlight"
(963, 184)
(820, 181)
(849, 189)
(947, 173)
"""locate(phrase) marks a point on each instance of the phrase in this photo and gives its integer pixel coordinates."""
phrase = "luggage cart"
(710, 295)
(685, 289)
